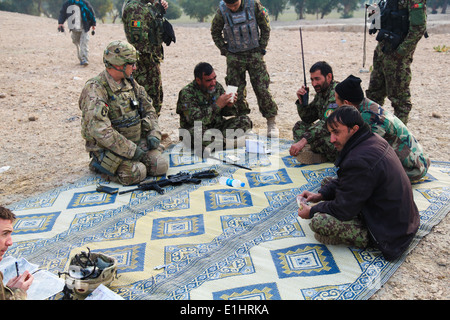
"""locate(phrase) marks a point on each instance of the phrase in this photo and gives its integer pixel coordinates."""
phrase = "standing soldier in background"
(403, 23)
(119, 123)
(80, 18)
(143, 25)
(249, 20)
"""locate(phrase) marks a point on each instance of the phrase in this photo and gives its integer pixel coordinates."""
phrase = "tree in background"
(300, 8)
(199, 9)
(347, 7)
(21, 6)
(275, 7)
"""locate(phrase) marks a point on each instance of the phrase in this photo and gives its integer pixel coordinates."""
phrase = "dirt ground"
(41, 80)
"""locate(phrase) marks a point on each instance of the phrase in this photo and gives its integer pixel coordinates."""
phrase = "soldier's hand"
(138, 154)
(301, 92)
(304, 212)
(153, 142)
(224, 100)
(164, 4)
(23, 281)
(224, 51)
(297, 147)
(311, 196)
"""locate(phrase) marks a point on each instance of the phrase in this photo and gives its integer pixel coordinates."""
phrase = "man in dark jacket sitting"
(371, 201)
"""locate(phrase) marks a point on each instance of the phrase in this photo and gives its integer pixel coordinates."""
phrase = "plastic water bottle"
(231, 182)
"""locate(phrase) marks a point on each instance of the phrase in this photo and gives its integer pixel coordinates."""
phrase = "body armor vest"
(123, 111)
(241, 29)
(394, 23)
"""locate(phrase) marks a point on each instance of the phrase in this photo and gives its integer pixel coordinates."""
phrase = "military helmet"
(119, 53)
(87, 271)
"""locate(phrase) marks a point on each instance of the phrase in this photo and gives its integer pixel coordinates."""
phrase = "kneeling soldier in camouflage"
(119, 123)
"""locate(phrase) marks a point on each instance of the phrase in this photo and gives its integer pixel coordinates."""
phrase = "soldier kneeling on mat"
(119, 122)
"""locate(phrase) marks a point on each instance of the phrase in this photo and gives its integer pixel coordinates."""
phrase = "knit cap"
(350, 89)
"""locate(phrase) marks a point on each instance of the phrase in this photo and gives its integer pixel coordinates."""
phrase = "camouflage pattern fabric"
(394, 131)
(196, 105)
(352, 232)
(252, 61)
(143, 29)
(391, 75)
(110, 122)
(10, 294)
(316, 133)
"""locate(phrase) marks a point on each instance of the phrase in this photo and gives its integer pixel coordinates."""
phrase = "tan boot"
(306, 156)
(272, 130)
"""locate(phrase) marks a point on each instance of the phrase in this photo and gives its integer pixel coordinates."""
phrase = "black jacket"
(87, 12)
(373, 184)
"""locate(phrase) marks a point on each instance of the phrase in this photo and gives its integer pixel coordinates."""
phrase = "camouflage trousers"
(352, 232)
(131, 172)
(148, 75)
(81, 40)
(319, 142)
(237, 66)
(390, 78)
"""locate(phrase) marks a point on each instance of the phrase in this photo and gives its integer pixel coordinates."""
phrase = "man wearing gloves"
(119, 123)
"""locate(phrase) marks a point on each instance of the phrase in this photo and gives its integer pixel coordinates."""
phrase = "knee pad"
(131, 172)
(156, 163)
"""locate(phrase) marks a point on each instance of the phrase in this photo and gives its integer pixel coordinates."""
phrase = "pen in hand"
(17, 269)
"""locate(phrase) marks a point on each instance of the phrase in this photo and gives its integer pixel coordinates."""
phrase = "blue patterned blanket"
(210, 241)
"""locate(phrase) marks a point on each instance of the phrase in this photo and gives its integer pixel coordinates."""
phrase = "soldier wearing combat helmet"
(119, 123)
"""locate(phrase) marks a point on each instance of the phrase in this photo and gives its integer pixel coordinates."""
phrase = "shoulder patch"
(331, 107)
(265, 14)
(136, 23)
(105, 111)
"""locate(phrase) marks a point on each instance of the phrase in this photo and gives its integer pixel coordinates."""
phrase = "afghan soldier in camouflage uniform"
(308, 130)
(408, 149)
(16, 288)
(246, 53)
(119, 123)
(392, 59)
(204, 100)
(142, 22)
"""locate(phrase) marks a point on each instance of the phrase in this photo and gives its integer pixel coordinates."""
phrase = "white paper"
(255, 146)
(103, 293)
(45, 284)
(233, 90)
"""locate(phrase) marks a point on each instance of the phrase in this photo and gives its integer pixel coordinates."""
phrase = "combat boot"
(272, 130)
(306, 156)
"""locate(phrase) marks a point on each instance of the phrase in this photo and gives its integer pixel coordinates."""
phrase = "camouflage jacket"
(142, 24)
(262, 18)
(392, 129)
(196, 105)
(109, 118)
(319, 109)
(417, 25)
(10, 294)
